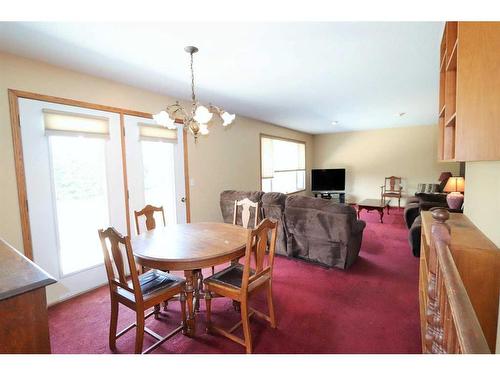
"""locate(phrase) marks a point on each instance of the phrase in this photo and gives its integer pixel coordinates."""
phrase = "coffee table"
(374, 205)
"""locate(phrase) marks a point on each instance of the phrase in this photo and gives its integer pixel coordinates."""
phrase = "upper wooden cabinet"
(469, 92)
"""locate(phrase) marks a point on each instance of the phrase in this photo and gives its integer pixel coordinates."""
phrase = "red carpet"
(370, 308)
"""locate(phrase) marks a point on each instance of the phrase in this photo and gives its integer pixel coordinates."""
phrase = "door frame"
(15, 123)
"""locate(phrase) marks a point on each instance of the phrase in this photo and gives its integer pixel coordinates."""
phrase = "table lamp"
(455, 186)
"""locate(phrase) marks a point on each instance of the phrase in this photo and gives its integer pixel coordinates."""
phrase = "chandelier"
(196, 118)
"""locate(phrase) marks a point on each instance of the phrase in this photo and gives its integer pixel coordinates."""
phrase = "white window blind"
(61, 123)
(283, 165)
(148, 132)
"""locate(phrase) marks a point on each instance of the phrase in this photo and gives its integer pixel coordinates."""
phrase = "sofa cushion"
(321, 230)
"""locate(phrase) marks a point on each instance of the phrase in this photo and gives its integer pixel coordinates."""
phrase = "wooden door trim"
(77, 103)
(186, 175)
(125, 175)
(22, 195)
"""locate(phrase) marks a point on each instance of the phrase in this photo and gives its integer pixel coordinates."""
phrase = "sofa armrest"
(359, 226)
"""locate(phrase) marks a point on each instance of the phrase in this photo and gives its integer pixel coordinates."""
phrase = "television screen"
(328, 180)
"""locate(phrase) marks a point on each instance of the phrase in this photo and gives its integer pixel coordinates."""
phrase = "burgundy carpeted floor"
(370, 308)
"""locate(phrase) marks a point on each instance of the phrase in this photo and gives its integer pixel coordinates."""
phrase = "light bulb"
(227, 118)
(202, 115)
(164, 119)
(204, 129)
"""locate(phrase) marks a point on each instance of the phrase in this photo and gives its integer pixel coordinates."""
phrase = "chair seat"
(392, 194)
(152, 283)
(155, 280)
(231, 276)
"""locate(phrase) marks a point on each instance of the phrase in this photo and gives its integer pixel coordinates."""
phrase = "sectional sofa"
(311, 229)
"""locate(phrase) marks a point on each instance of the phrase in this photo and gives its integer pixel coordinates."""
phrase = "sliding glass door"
(74, 182)
(79, 180)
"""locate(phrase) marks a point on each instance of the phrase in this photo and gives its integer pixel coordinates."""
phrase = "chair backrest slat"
(256, 248)
(112, 243)
(148, 212)
(245, 205)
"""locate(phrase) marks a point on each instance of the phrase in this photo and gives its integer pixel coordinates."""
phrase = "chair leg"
(165, 305)
(270, 305)
(246, 326)
(213, 270)
(182, 300)
(139, 333)
(157, 311)
(208, 307)
(113, 324)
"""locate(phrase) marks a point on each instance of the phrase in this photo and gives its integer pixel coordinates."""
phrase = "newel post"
(440, 236)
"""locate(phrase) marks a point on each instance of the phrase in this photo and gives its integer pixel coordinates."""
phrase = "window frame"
(268, 136)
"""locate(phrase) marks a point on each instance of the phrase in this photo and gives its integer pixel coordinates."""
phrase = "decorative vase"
(455, 200)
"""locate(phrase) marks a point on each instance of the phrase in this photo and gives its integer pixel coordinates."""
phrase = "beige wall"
(482, 202)
(482, 197)
(228, 158)
(369, 156)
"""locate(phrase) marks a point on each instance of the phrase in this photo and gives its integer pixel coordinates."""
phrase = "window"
(80, 190)
(283, 164)
(159, 176)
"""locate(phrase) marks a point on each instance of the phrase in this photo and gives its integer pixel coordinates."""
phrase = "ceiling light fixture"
(196, 120)
(335, 122)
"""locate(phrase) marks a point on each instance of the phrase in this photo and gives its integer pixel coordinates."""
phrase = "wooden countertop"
(18, 274)
(464, 234)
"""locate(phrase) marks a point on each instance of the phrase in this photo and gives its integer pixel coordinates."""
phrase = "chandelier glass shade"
(195, 119)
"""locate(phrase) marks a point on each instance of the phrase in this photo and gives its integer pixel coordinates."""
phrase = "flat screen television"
(328, 179)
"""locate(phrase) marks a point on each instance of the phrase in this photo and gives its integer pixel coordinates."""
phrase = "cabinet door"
(478, 91)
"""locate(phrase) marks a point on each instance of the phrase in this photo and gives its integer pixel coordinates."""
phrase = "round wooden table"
(189, 248)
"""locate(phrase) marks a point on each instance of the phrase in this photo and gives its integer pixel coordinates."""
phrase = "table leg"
(190, 280)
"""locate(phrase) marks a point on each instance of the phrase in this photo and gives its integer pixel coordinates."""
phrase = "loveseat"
(311, 229)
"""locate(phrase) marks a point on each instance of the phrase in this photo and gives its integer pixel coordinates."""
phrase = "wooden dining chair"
(246, 204)
(392, 188)
(140, 293)
(240, 281)
(148, 212)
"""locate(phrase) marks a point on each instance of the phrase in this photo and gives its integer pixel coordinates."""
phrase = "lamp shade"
(455, 184)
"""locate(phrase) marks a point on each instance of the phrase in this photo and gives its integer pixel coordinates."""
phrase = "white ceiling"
(299, 75)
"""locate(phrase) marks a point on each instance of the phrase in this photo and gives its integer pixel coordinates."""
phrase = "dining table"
(189, 248)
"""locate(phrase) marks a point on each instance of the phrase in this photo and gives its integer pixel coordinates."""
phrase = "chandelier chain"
(193, 97)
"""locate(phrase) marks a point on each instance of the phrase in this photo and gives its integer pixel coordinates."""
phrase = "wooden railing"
(452, 324)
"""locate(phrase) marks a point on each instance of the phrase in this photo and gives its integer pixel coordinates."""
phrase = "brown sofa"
(322, 231)
(312, 229)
